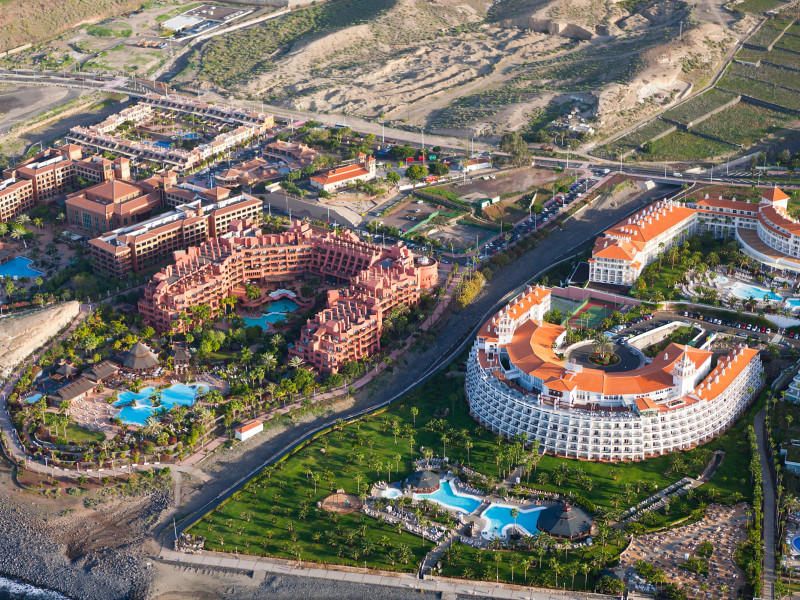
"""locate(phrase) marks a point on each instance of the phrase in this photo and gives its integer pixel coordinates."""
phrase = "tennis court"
(593, 312)
(565, 305)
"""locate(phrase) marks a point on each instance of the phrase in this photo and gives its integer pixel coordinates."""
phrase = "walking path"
(261, 567)
(768, 576)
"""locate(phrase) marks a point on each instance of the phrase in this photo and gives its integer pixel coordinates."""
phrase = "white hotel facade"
(516, 384)
(765, 230)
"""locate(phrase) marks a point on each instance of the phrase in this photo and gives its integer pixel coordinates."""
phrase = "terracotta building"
(141, 245)
(111, 205)
(362, 170)
(348, 329)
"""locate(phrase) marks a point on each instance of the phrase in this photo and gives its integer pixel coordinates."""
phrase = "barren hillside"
(468, 66)
(31, 21)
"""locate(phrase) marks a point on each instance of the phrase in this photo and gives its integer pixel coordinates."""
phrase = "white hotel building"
(765, 231)
(516, 384)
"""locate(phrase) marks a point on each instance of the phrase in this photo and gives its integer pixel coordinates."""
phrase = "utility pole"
(680, 34)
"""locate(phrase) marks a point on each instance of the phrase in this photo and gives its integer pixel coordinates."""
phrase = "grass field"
(680, 145)
(760, 90)
(276, 513)
(792, 42)
(744, 124)
(757, 6)
(75, 433)
(698, 106)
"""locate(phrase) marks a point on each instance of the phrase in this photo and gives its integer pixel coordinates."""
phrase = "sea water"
(14, 590)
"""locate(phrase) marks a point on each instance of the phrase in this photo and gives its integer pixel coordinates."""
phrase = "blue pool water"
(446, 496)
(793, 303)
(33, 398)
(19, 267)
(276, 311)
(796, 543)
(138, 412)
(498, 517)
(189, 136)
(745, 291)
(163, 144)
(721, 279)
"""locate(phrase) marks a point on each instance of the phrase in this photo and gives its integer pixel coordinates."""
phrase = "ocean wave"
(15, 590)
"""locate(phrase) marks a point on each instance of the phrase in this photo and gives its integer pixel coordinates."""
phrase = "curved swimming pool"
(447, 496)
(142, 407)
(796, 543)
(499, 520)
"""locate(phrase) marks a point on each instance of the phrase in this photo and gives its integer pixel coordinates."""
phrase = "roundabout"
(622, 358)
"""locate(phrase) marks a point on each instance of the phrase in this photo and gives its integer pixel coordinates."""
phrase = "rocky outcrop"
(20, 335)
(567, 30)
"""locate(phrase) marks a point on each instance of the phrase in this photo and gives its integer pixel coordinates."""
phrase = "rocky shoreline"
(30, 552)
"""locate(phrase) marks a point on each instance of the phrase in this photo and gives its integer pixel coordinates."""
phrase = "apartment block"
(349, 328)
(145, 244)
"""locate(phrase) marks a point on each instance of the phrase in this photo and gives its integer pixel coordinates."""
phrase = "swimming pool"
(276, 311)
(793, 303)
(163, 144)
(745, 291)
(447, 496)
(142, 407)
(19, 267)
(32, 398)
(796, 543)
(391, 492)
(499, 520)
(721, 279)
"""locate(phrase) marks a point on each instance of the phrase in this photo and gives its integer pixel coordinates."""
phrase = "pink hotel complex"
(349, 328)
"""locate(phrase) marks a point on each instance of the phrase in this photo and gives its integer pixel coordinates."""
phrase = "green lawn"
(77, 434)
(284, 502)
(473, 563)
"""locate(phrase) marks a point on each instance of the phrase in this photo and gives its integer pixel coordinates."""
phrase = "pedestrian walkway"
(261, 567)
(768, 576)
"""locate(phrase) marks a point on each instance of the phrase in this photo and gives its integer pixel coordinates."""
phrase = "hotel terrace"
(348, 329)
(765, 230)
(517, 385)
(141, 245)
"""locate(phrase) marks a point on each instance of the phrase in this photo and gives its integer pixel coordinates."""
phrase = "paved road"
(768, 590)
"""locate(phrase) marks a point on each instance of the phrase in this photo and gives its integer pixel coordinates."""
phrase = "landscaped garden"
(266, 517)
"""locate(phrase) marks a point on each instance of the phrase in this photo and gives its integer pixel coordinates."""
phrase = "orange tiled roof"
(340, 174)
(729, 204)
(650, 222)
(774, 195)
(608, 247)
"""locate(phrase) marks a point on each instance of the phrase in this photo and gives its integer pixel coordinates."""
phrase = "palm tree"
(556, 567)
(315, 478)
(497, 558)
(586, 567)
(526, 564)
(358, 479)
(514, 515)
(467, 446)
(445, 439)
(296, 362)
(602, 345)
(414, 413)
